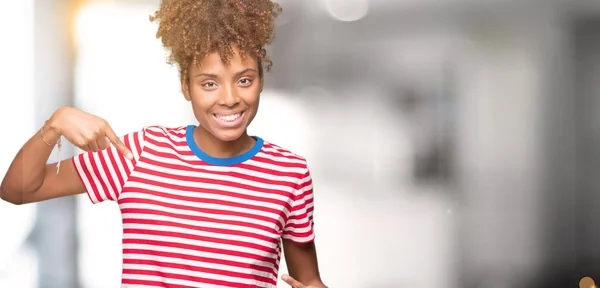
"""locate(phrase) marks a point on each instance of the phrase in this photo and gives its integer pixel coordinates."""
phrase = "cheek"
(252, 98)
(253, 104)
(201, 100)
(200, 106)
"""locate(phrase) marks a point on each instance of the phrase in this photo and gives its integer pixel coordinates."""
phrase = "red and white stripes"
(189, 223)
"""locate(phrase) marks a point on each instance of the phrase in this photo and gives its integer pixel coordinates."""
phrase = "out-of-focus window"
(121, 75)
(17, 261)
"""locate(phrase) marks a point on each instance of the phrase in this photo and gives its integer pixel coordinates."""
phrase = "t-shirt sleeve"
(105, 172)
(299, 226)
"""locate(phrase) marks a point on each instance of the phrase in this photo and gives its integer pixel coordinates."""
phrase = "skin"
(213, 88)
(301, 261)
(41, 182)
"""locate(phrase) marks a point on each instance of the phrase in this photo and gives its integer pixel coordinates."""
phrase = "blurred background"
(452, 143)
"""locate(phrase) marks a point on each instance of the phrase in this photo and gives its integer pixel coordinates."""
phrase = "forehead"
(214, 64)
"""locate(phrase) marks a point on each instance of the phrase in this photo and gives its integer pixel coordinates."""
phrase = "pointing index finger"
(110, 134)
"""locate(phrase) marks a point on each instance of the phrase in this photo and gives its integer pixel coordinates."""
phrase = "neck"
(217, 148)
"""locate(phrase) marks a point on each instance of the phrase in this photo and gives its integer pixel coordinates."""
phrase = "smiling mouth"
(228, 118)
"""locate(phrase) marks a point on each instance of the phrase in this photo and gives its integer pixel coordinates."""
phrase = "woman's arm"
(298, 238)
(302, 264)
(29, 179)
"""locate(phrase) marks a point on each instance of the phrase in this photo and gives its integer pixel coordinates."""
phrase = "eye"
(209, 85)
(245, 81)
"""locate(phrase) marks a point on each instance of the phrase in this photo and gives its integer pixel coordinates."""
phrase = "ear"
(262, 84)
(185, 88)
(261, 73)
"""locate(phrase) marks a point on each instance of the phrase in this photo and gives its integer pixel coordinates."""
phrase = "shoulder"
(291, 160)
(162, 130)
(284, 155)
(155, 135)
(158, 131)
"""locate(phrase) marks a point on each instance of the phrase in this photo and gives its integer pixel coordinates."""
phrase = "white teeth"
(228, 118)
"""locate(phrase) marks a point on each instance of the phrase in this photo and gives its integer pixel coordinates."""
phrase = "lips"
(229, 120)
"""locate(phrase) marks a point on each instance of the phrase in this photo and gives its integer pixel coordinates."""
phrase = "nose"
(229, 97)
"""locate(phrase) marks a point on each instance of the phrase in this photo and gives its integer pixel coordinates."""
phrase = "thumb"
(291, 281)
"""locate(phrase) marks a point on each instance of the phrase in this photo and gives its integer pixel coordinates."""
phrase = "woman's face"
(224, 97)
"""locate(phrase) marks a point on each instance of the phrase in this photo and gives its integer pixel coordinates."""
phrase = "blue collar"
(189, 136)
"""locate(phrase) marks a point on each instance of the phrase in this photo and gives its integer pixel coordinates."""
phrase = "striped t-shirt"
(192, 220)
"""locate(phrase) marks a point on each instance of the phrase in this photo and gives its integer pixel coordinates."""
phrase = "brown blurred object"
(587, 282)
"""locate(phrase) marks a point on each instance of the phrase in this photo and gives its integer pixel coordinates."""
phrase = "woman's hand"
(84, 130)
(296, 284)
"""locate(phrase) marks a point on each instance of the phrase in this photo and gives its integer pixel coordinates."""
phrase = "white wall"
(499, 154)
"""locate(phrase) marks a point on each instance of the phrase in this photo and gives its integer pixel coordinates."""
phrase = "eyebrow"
(238, 74)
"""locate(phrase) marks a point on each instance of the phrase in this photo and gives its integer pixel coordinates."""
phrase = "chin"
(228, 135)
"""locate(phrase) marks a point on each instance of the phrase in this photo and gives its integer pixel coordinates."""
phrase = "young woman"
(202, 205)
